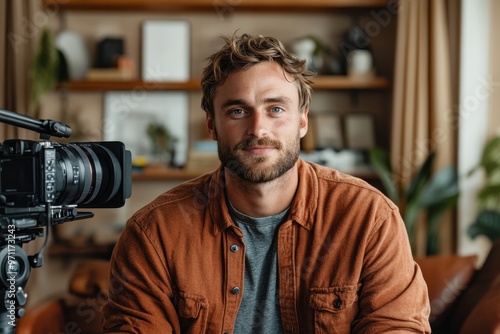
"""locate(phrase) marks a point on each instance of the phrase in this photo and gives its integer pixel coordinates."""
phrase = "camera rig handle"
(45, 127)
(14, 274)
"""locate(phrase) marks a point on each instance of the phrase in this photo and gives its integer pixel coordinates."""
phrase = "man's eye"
(277, 110)
(236, 111)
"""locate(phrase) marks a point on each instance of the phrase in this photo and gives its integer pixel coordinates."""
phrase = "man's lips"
(259, 146)
(259, 149)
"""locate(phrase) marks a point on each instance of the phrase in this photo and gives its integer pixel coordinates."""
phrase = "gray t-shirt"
(259, 311)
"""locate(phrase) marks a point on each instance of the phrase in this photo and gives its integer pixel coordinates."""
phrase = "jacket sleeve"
(140, 292)
(394, 295)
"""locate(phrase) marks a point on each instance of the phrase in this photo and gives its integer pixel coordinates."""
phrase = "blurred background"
(404, 98)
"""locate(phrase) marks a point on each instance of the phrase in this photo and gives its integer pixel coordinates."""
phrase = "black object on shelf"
(108, 51)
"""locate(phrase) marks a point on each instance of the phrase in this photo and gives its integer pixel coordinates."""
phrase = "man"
(268, 243)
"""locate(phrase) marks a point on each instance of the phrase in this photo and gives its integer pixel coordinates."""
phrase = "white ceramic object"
(360, 63)
(75, 51)
(304, 49)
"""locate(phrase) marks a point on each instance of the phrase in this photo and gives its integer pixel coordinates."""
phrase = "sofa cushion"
(481, 283)
(83, 315)
(46, 317)
(446, 277)
(485, 317)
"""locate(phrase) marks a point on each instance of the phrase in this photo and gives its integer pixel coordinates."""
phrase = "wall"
(474, 101)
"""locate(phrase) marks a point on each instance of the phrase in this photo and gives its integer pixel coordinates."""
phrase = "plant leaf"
(435, 214)
(421, 178)
(490, 158)
(490, 193)
(438, 195)
(411, 213)
(382, 166)
(441, 186)
(487, 223)
(43, 69)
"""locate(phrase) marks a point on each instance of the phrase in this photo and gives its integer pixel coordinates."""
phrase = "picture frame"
(127, 114)
(328, 130)
(165, 51)
(359, 131)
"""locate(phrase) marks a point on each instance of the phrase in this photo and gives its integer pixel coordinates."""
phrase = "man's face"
(257, 123)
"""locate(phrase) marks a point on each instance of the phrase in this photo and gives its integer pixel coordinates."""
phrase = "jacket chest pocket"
(193, 312)
(334, 308)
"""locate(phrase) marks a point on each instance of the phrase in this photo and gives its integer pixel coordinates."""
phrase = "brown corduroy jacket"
(344, 262)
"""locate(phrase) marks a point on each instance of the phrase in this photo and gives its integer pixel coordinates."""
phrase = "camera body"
(42, 184)
(89, 175)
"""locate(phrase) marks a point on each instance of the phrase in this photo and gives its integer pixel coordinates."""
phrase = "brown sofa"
(463, 299)
(77, 311)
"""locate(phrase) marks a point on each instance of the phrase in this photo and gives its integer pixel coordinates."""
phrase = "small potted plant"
(162, 142)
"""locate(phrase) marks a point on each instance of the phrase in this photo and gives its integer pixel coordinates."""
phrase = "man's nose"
(259, 124)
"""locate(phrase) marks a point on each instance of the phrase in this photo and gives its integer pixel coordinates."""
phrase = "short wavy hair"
(240, 53)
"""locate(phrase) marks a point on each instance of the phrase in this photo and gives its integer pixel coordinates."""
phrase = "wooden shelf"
(158, 174)
(86, 85)
(320, 83)
(345, 82)
(211, 5)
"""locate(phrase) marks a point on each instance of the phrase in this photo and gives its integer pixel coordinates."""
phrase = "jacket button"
(234, 248)
(337, 303)
(235, 290)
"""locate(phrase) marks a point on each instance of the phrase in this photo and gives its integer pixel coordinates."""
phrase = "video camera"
(42, 184)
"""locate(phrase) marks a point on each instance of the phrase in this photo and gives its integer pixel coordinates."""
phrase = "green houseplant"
(162, 141)
(432, 195)
(487, 222)
(44, 71)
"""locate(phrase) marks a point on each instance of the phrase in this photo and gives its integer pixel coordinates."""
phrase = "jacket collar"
(302, 210)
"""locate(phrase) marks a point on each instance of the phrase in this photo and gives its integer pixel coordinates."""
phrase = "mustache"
(259, 142)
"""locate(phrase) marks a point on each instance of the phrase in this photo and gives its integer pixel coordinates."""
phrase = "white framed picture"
(359, 131)
(165, 50)
(127, 115)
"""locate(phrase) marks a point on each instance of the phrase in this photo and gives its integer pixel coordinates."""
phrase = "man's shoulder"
(346, 185)
(187, 197)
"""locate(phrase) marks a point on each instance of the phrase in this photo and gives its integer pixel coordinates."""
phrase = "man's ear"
(210, 123)
(304, 122)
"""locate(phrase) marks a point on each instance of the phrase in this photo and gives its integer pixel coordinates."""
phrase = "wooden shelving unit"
(221, 7)
(206, 5)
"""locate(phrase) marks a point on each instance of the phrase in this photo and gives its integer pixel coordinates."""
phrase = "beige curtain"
(19, 30)
(423, 115)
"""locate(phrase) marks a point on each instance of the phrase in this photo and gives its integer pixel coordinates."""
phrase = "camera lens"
(86, 173)
(107, 174)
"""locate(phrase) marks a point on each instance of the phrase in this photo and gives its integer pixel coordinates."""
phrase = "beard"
(251, 168)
